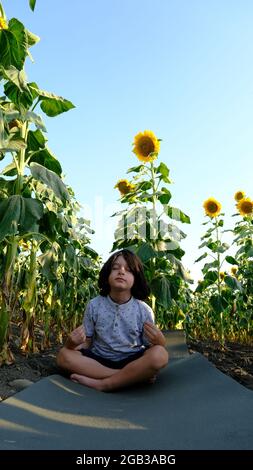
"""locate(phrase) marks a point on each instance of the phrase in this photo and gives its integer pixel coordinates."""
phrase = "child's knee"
(160, 357)
(61, 358)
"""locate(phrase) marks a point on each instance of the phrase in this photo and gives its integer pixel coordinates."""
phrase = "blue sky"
(182, 68)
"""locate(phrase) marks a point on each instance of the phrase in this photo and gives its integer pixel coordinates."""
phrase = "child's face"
(121, 278)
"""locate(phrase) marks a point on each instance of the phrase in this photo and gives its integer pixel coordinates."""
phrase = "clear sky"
(182, 68)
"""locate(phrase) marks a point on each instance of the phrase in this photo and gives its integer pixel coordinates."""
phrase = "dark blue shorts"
(112, 364)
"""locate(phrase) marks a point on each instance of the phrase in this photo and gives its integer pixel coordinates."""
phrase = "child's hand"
(76, 337)
(153, 334)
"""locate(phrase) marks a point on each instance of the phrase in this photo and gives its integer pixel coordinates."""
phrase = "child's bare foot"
(88, 381)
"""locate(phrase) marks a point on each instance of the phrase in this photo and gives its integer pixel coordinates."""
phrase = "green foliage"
(213, 277)
(32, 4)
(146, 226)
(52, 180)
(19, 215)
(47, 269)
(222, 307)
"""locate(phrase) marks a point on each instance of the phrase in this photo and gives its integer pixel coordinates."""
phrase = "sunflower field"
(222, 307)
(47, 267)
(49, 270)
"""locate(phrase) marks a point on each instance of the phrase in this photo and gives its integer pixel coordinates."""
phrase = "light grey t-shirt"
(116, 329)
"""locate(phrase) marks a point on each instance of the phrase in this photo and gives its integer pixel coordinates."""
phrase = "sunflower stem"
(219, 280)
(153, 225)
(154, 202)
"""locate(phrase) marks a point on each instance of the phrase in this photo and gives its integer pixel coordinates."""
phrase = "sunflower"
(239, 195)
(234, 270)
(212, 207)
(3, 23)
(245, 206)
(124, 186)
(222, 275)
(146, 146)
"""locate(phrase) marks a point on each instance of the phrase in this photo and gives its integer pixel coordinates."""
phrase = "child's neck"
(120, 297)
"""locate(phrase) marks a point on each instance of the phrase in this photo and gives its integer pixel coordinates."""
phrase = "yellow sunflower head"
(239, 195)
(3, 23)
(245, 206)
(212, 207)
(124, 187)
(234, 270)
(222, 276)
(146, 146)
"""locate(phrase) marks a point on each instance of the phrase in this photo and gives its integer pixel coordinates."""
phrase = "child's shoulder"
(97, 301)
(143, 305)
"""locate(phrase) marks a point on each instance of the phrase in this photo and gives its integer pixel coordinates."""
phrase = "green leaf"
(164, 173)
(49, 263)
(200, 258)
(211, 276)
(32, 38)
(71, 258)
(52, 105)
(6, 186)
(213, 246)
(32, 4)
(203, 244)
(146, 252)
(9, 170)
(200, 287)
(222, 248)
(177, 214)
(144, 186)
(233, 283)
(16, 45)
(19, 98)
(213, 265)
(52, 180)
(249, 251)
(165, 197)
(160, 288)
(163, 169)
(136, 169)
(216, 303)
(19, 214)
(18, 77)
(12, 145)
(44, 158)
(178, 252)
(35, 140)
(217, 246)
(36, 119)
(180, 270)
(33, 88)
(231, 260)
(31, 213)
(145, 197)
(49, 225)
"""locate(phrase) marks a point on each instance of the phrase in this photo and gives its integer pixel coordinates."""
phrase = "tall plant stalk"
(146, 226)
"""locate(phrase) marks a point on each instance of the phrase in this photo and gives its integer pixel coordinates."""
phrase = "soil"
(235, 360)
(30, 367)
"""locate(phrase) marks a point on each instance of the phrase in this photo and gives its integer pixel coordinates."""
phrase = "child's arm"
(77, 339)
(153, 334)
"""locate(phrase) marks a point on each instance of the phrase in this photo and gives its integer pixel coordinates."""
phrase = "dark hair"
(140, 289)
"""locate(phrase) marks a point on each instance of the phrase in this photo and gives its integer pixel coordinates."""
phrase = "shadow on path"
(191, 406)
